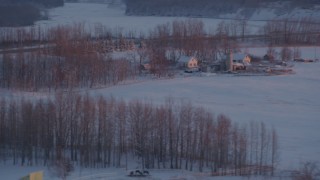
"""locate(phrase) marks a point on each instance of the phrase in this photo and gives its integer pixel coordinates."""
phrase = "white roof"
(236, 56)
(239, 56)
(186, 59)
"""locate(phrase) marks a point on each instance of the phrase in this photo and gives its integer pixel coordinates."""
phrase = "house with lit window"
(190, 64)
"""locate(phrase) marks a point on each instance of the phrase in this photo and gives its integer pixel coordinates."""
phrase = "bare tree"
(3, 128)
(271, 53)
(99, 132)
(274, 151)
(62, 168)
(307, 171)
(296, 53)
(286, 54)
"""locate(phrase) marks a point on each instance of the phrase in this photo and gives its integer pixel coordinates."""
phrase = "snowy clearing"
(114, 18)
(290, 103)
(10, 172)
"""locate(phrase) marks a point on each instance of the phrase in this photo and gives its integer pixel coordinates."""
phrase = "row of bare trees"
(286, 53)
(184, 33)
(292, 31)
(35, 71)
(103, 132)
(207, 8)
(168, 42)
(23, 36)
(71, 60)
(116, 39)
(74, 57)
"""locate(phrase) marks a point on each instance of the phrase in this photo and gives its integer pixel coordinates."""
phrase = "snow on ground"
(114, 17)
(290, 103)
(284, 10)
(278, 10)
(297, 13)
(307, 52)
(261, 14)
(10, 172)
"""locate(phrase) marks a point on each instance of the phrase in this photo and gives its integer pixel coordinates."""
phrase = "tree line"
(74, 57)
(106, 132)
(34, 71)
(69, 60)
(292, 31)
(19, 14)
(46, 3)
(288, 31)
(205, 8)
(15, 13)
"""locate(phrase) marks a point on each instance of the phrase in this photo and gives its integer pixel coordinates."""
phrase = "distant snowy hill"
(248, 9)
(284, 10)
(112, 14)
(99, 1)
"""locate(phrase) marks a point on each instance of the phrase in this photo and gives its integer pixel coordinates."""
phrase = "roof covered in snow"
(186, 59)
(239, 56)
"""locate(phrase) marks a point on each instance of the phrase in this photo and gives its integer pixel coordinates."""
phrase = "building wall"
(193, 63)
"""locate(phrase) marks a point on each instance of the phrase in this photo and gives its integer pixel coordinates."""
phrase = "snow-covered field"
(8, 172)
(290, 103)
(114, 17)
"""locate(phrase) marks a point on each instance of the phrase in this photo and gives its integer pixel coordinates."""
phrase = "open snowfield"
(290, 103)
(114, 17)
(15, 172)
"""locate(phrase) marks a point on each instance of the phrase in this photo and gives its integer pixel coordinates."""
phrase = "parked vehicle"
(138, 172)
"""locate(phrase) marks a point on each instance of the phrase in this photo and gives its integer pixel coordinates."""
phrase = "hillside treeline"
(203, 8)
(46, 3)
(19, 14)
(106, 132)
(14, 13)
